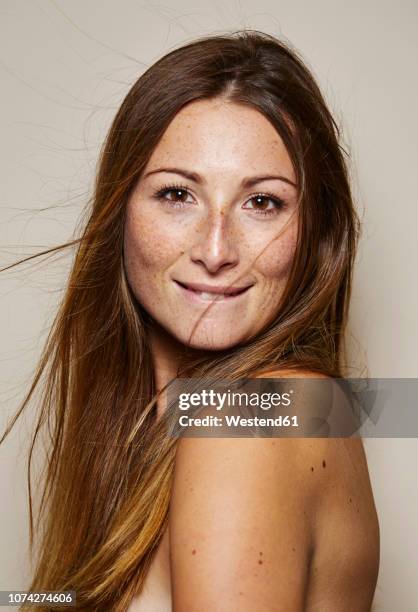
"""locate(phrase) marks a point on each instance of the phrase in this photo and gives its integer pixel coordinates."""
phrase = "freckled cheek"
(150, 245)
(275, 262)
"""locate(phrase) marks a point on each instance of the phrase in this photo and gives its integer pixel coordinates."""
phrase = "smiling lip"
(211, 292)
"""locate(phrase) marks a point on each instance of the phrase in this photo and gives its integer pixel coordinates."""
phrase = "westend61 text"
(238, 421)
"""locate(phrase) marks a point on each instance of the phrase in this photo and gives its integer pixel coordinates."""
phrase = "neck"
(168, 354)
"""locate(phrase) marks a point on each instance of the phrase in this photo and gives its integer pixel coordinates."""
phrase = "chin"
(210, 341)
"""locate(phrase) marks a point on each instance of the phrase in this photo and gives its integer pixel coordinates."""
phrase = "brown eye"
(178, 195)
(174, 196)
(262, 202)
(265, 204)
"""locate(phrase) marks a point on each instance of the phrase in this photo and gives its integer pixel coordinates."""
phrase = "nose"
(216, 246)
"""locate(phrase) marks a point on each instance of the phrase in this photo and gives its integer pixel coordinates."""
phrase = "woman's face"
(213, 213)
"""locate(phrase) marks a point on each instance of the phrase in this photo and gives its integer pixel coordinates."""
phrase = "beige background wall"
(65, 67)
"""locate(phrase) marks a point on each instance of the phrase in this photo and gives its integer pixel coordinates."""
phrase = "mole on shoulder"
(349, 499)
(312, 469)
(323, 463)
(193, 551)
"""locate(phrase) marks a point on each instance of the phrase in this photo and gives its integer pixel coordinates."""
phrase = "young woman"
(220, 243)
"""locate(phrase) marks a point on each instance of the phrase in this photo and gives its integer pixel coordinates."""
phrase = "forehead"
(221, 134)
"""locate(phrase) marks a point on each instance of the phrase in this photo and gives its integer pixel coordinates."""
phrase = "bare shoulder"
(272, 523)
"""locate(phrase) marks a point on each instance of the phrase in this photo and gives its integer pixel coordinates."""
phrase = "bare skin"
(305, 535)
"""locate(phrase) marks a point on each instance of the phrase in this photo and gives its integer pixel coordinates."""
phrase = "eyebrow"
(246, 182)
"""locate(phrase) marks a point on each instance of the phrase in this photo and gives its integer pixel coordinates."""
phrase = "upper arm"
(240, 528)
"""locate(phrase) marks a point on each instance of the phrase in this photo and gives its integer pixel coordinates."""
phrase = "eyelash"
(160, 195)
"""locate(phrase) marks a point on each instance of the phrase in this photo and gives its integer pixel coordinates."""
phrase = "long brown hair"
(109, 463)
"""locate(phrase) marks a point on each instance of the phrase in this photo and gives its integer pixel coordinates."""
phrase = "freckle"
(323, 463)
(261, 552)
(349, 499)
(260, 562)
(358, 510)
(311, 469)
(191, 489)
(241, 593)
(293, 548)
(193, 551)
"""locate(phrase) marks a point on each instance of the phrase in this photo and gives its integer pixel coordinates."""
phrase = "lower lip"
(196, 298)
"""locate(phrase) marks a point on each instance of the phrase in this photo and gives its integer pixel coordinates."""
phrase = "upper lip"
(224, 289)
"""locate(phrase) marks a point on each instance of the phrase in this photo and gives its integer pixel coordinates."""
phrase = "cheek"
(149, 245)
(275, 262)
